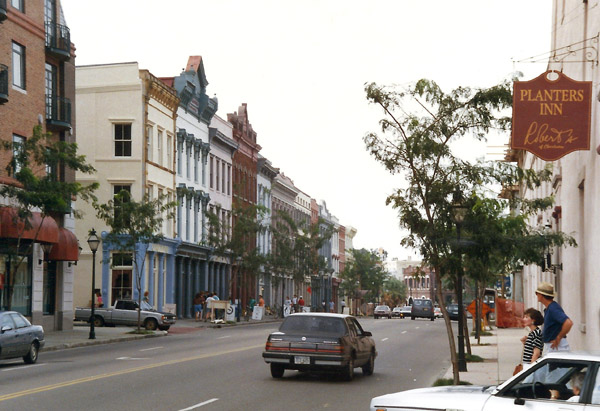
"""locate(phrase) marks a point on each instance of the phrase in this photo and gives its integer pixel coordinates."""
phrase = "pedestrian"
(331, 306)
(215, 296)
(287, 306)
(343, 304)
(533, 345)
(208, 306)
(198, 301)
(261, 301)
(295, 303)
(146, 301)
(323, 305)
(556, 323)
(99, 302)
(301, 304)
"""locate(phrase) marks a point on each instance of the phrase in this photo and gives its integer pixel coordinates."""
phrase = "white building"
(575, 182)
(264, 179)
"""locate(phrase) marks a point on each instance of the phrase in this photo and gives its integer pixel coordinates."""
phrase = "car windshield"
(313, 325)
(382, 308)
(424, 303)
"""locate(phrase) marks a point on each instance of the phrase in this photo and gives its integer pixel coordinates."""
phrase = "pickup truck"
(125, 312)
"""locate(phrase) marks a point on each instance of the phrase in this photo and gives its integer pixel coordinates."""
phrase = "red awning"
(67, 248)
(43, 229)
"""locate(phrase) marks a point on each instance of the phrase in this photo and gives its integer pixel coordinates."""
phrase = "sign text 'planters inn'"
(551, 115)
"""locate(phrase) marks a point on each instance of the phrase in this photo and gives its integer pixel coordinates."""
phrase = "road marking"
(384, 339)
(225, 336)
(22, 367)
(200, 404)
(403, 332)
(416, 328)
(153, 348)
(121, 372)
(131, 358)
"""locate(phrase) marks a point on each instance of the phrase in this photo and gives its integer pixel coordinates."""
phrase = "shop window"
(49, 293)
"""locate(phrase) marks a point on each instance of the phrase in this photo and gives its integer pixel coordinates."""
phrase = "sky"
(301, 67)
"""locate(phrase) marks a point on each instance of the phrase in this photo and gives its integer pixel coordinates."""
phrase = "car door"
(22, 334)
(362, 343)
(8, 336)
(530, 390)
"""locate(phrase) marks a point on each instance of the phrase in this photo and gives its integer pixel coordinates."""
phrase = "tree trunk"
(451, 342)
(466, 332)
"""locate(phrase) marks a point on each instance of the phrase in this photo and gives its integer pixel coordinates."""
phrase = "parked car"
(528, 390)
(406, 311)
(18, 338)
(382, 311)
(453, 312)
(125, 312)
(320, 342)
(422, 308)
(437, 312)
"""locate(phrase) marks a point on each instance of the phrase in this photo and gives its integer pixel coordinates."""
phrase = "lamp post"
(458, 215)
(93, 242)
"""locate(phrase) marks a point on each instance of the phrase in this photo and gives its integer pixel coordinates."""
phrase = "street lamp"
(93, 242)
(458, 215)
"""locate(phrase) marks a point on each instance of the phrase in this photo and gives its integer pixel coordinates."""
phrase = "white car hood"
(458, 397)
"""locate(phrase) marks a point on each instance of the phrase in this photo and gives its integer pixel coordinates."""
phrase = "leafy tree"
(419, 126)
(364, 272)
(238, 242)
(395, 291)
(38, 166)
(134, 226)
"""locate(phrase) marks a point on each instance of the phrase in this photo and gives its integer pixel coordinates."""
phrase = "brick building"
(37, 87)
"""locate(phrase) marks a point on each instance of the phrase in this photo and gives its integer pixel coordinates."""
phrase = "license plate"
(300, 359)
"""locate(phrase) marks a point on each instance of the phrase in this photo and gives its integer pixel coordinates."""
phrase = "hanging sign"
(551, 115)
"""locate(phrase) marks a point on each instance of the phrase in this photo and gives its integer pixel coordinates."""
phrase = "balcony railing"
(2, 10)
(58, 40)
(58, 112)
(3, 84)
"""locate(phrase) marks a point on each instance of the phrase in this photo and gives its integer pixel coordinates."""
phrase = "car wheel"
(432, 318)
(32, 355)
(164, 328)
(369, 367)
(151, 324)
(412, 318)
(98, 321)
(375, 317)
(277, 370)
(349, 371)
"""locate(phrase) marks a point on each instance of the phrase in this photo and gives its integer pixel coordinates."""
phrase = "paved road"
(217, 369)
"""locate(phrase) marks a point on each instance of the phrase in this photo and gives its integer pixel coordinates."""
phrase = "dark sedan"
(18, 338)
(320, 342)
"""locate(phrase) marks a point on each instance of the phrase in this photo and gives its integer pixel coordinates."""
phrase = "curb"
(65, 346)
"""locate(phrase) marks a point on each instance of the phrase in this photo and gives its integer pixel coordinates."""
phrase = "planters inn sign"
(551, 115)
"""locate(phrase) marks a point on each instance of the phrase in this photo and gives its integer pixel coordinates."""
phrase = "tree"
(134, 226)
(38, 166)
(395, 291)
(364, 272)
(238, 242)
(419, 126)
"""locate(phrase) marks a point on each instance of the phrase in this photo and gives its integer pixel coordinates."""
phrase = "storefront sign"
(551, 115)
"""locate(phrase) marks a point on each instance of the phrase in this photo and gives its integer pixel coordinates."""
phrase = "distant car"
(382, 311)
(437, 312)
(320, 342)
(422, 308)
(18, 338)
(397, 312)
(528, 390)
(406, 311)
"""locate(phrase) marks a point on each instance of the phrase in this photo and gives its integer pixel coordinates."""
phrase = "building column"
(179, 286)
(188, 289)
(170, 283)
(160, 284)
(218, 279)
(204, 275)
(151, 278)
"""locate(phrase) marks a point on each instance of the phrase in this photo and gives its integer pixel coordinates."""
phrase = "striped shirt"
(534, 340)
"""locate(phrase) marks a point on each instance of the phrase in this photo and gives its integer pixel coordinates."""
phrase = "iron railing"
(3, 84)
(58, 40)
(58, 111)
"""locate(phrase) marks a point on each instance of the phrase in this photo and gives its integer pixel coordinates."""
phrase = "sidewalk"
(79, 335)
(501, 352)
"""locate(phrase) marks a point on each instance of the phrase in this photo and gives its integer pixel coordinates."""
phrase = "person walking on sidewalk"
(556, 323)
(533, 345)
(198, 301)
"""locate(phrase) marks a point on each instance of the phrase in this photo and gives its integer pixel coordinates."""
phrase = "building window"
(50, 83)
(150, 191)
(179, 157)
(149, 139)
(18, 142)
(118, 189)
(18, 4)
(188, 159)
(223, 189)
(18, 65)
(123, 140)
(121, 284)
(169, 152)
(218, 179)
(228, 180)
(210, 177)
(196, 157)
(49, 293)
(159, 147)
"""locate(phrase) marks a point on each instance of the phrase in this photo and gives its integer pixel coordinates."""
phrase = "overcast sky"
(301, 67)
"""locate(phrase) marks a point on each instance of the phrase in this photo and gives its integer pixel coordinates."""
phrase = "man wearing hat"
(556, 323)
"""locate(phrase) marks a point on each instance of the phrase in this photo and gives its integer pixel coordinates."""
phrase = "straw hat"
(546, 289)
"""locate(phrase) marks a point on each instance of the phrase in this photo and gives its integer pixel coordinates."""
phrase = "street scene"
(257, 204)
